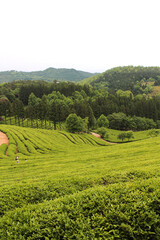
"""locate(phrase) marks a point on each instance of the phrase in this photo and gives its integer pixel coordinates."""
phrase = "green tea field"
(76, 186)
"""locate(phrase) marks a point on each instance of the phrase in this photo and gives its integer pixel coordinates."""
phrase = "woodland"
(54, 102)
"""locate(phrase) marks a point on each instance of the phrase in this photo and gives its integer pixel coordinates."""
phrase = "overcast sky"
(88, 35)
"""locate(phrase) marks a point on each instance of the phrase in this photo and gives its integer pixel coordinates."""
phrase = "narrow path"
(3, 138)
(99, 136)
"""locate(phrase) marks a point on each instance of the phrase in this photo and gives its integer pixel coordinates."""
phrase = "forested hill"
(136, 79)
(50, 74)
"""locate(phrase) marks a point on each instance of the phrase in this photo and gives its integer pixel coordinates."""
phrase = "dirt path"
(98, 136)
(3, 138)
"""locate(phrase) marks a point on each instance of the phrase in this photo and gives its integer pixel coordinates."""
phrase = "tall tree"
(18, 110)
(102, 121)
(4, 107)
(53, 116)
(74, 123)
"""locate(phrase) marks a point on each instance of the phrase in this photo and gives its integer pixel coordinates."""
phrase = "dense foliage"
(74, 123)
(54, 102)
(135, 79)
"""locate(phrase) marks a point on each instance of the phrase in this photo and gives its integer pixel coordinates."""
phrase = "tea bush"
(116, 212)
(3, 149)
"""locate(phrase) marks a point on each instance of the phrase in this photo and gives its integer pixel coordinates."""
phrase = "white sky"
(88, 35)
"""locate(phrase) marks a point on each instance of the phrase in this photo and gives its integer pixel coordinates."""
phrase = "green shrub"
(103, 121)
(153, 133)
(74, 123)
(103, 132)
(125, 135)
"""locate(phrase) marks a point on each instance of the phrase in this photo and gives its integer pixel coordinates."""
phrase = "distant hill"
(136, 79)
(50, 74)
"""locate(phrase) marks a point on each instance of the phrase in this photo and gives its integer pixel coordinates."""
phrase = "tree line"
(42, 101)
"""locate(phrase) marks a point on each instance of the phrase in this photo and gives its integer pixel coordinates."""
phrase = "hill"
(136, 79)
(73, 187)
(50, 74)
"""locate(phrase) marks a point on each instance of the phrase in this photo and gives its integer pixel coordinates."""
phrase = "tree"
(91, 118)
(10, 112)
(103, 132)
(33, 100)
(143, 123)
(129, 135)
(74, 123)
(30, 114)
(18, 110)
(153, 133)
(53, 113)
(85, 124)
(122, 136)
(4, 107)
(44, 109)
(102, 121)
(124, 94)
(58, 110)
(118, 121)
(61, 108)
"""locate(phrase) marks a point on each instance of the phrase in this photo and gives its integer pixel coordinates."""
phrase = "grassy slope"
(51, 152)
(139, 135)
(91, 179)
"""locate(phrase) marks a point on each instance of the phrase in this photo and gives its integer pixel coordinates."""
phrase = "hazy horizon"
(73, 68)
(87, 35)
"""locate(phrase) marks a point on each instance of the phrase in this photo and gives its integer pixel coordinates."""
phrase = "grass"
(75, 186)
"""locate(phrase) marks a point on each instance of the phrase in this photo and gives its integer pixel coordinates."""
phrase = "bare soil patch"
(3, 138)
(99, 136)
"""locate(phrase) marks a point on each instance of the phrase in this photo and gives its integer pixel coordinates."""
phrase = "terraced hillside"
(78, 187)
(27, 141)
(41, 145)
